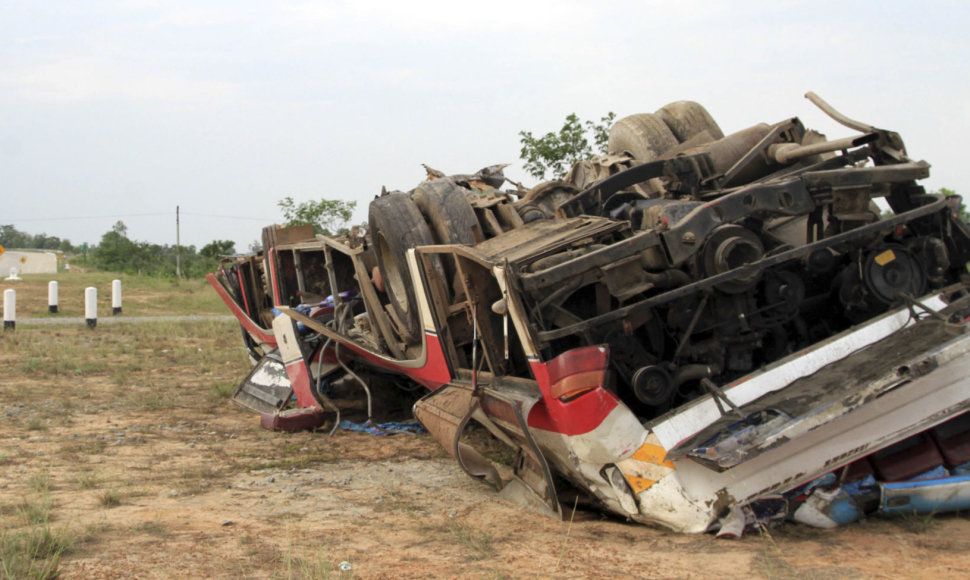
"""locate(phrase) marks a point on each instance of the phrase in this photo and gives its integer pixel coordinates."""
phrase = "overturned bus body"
(696, 330)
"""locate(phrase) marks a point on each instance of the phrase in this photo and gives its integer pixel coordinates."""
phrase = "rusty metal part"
(773, 260)
(788, 152)
(837, 116)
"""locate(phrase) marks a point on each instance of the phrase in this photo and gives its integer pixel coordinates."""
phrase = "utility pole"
(178, 247)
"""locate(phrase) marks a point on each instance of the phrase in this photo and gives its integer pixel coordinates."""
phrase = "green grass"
(295, 568)
(152, 528)
(36, 510)
(56, 372)
(109, 498)
(141, 295)
(33, 549)
(40, 483)
(34, 553)
(915, 523)
(89, 480)
(477, 543)
(151, 365)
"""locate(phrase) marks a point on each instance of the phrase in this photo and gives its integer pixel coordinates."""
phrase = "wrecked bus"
(697, 331)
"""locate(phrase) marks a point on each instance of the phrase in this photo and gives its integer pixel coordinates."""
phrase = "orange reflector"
(575, 384)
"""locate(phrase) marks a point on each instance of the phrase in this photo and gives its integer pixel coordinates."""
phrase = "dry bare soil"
(120, 444)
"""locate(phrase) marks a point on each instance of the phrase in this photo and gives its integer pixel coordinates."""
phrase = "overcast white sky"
(125, 109)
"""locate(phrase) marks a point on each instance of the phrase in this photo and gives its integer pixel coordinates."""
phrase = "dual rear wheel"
(437, 212)
(647, 136)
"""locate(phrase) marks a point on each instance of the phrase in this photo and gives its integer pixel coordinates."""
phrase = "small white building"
(28, 262)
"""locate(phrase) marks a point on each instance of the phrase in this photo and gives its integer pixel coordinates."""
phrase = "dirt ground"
(154, 474)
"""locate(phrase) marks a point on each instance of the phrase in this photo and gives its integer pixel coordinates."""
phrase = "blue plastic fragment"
(843, 510)
(858, 486)
(383, 429)
(927, 496)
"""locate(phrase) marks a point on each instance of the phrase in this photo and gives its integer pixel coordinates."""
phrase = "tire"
(643, 137)
(687, 119)
(445, 207)
(396, 225)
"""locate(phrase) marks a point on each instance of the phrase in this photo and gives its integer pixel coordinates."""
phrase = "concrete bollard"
(52, 297)
(91, 306)
(115, 297)
(9, 309)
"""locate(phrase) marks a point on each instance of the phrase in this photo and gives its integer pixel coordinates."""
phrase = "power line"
(85, 217)
(129, 215)
(228, 217)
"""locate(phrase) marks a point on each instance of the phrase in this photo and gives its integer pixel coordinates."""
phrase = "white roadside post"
(115, 297)
(9, 309)
(52, 297)
(91, 306)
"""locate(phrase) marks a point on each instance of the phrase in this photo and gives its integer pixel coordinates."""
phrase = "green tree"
(11, 237)
(327, 216)
(218, 248)
(116, 252)
(955, 201)
(555, 153)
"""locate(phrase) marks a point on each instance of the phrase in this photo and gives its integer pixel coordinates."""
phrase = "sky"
(125, 110)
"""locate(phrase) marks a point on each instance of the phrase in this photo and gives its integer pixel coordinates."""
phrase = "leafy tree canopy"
(956, 201)
(327, 216)
(556, 152)
(218, 248)
(11, 237)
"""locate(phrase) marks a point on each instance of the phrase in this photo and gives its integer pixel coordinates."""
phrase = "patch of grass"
(477, 542)
(90, 446)
(147, 398)
(31, 365)
(142, 295)
(93, 532)
(152, 528)
(285, 463)
(296, 455)
(138, 492)
(109, 498)
(222, 390)
(89, 480)
(393, 501)
(34, 553)
(40, 483)
(304, 561)
(769, 559)
(121, 374)
(198, 479)
(34, 424)
(8, 509)
(294, 568)
(915, 523)
(565, 539)
(36, 510)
